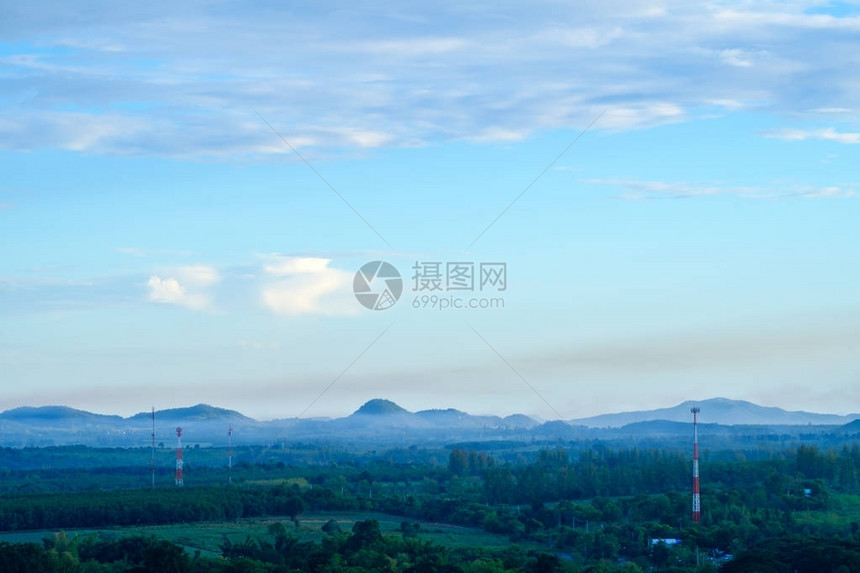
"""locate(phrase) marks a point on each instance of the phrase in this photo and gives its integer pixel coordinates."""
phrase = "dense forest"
(599, 509)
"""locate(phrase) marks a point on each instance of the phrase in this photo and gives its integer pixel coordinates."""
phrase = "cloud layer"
(187, 81)
(827, 134)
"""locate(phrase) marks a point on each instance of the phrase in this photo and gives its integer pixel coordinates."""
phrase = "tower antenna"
(153, 447)
(697, 504)
(179, 478)
(230, 455)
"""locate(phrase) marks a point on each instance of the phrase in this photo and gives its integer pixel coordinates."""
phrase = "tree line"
(602, 505)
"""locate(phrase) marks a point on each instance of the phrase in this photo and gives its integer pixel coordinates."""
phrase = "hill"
(200, 412)
(55, 415)
(852, 427)
(717, 410)
(379, 407)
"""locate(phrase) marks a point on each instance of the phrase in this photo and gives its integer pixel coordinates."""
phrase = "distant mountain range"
(383, 422)
(65, 415)
(718, 411)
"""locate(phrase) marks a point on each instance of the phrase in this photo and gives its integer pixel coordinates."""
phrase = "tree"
(294, 507)
(332, 527)
(547, 564)
(458, 462)
(499, 485)
(166, 557)
(365, 534)
(409, 529)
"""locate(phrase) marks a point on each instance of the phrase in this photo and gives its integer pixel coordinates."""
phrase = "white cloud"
(580, 37)
(190, 289)
(777, 17)
(829, 193)
(412, 47)
(628, 117)
(368, 138)
(74, 131)
(165, 290)
(644, 189)
(727, 103)
(634, 189)
(737, 58)
(198, 275)
(499, 135)
(306, 285)
(286, 266)
(827, 134)
(833, 110)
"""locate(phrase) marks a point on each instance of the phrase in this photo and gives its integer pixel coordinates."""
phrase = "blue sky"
(161, 245)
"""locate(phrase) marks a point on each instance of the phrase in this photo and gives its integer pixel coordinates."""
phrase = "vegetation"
(595, 509)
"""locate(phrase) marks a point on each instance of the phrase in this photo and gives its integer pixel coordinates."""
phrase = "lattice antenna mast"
(153, 447)
(179, 477)
(697, 504)
(230, 455)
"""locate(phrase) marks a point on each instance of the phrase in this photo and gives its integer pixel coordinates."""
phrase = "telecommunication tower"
(179, 478)
(230, 455)
(153, 447)
(697, 504)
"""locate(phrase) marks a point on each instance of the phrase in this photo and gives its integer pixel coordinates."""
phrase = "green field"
(207, 536)
(845, 511)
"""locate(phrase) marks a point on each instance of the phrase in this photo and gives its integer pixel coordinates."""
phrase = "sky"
(653, 201)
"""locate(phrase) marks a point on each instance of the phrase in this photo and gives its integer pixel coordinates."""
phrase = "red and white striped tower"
(153, 447)
(230, 455)
(179, 479)
(697, 504)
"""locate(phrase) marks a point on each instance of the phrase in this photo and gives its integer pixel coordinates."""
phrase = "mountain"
(386, 412)
(200, 412)
(459, 419)
(520, 421)
(379, 407)
(718, 411)
(56, 415)
(852, 427)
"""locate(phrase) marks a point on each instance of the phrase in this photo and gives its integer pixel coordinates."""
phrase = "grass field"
(845, 510)
(207, 536)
